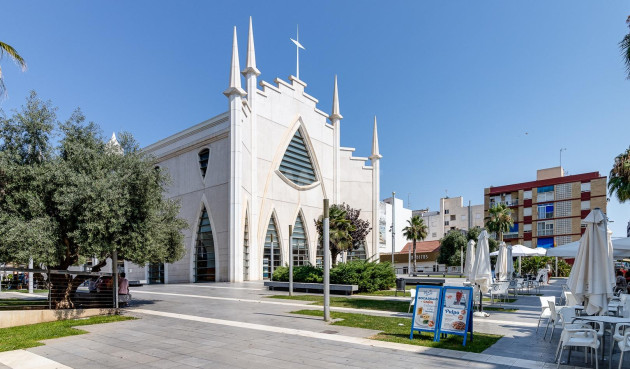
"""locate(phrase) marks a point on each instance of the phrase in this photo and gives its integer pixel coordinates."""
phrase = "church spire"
(375, 151)
(335, 115)
(235, 78)
(251, 53)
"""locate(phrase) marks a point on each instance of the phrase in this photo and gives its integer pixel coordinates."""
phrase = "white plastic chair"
(554, 319)
(570, 299)
(544, 309)
(568, 320)
(622, 339)
(499, 289)
(412, 302)
(580, 337)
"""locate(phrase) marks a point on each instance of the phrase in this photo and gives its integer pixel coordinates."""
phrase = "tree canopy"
(13, 54)
(453, 242)
(619, 178)
(415, 231)
(66, 196)
(347, 230)
(500, 220)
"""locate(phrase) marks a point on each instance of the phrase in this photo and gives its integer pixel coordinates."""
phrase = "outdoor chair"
(568, 321)
(515, 285)
(554, 319)
(622, 338)
(499, 289)
(545, 313)
(580, 337)
(412, 302)
(570, 299)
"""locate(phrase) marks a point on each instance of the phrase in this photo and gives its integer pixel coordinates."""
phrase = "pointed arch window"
(296, 164)
(204, 251)
(204, 156)
(246, 251)
(358, 253)
(271, 239)
(300, 243)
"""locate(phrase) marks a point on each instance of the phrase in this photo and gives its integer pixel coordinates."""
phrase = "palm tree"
(340, 228)
(619, 180)
(500, 220)
(416, 230)
(624, 45)
(9, 50)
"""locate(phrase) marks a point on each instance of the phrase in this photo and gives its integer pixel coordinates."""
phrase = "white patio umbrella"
(520, 250)
(481, 274)
(470, 259)
(500, 268)
(510, 262)
(540, 251)
(592, 278)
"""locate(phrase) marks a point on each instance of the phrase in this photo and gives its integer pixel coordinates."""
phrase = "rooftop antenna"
(561, 150)
(409, 200)
(298, 46)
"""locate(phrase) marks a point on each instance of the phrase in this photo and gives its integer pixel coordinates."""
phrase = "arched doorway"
(205, 270)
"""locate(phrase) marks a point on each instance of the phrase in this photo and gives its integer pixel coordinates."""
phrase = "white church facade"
(245, 175)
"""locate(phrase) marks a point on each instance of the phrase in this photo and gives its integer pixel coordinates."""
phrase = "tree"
(473, 234)
(450, 245)
(500, 220)
(624, 45)
(347, 230)
(415, 231)
(62, 205)
(13, 54)
(619, 178)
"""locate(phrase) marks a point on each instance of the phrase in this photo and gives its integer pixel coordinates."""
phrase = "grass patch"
(26, 291)
(26, 336)
(20, 302)
(347, 302)
(391, 331)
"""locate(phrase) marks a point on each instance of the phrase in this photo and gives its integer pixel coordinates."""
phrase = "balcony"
(545, 232)
(546, 215)
(506, 203)
(510, 235)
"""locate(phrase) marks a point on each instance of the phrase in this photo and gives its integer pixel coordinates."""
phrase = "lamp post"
(393, 228)
(326, 247)
(290, 260)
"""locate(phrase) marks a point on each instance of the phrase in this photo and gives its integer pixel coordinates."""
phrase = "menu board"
(456, 311)
(426, 309)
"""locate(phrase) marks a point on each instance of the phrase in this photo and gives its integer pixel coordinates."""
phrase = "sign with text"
(426, 309)
(456, 311)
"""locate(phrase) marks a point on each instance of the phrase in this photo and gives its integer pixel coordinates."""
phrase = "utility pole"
(393, 228)
(326, 246)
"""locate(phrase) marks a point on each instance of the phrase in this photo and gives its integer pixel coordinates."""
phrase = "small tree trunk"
(415, 269)
(333, 257)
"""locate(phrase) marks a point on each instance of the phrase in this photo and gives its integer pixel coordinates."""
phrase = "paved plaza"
(233, 325)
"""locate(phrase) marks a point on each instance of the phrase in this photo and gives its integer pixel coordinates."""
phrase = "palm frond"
(9, 50)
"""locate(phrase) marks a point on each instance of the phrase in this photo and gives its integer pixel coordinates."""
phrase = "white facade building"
(245, 175)
(402, 216)
(453, 214)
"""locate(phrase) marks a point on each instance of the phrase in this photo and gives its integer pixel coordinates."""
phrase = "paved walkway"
(235, 325)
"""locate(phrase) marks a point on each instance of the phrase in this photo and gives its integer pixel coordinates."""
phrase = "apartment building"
(453, 214)
(548, 212)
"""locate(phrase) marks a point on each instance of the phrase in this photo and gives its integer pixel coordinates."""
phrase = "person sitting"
(622, 284)
(123, 285)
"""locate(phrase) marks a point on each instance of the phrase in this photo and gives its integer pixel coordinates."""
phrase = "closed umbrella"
(592, 278)
(470, 259)
(500, 268)
(481, 274)
(510, 263)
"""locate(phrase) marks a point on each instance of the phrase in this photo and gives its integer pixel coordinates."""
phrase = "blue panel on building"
(545, 242)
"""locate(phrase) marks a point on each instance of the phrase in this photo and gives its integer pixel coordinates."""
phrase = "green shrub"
(302, 273)
(369, 276)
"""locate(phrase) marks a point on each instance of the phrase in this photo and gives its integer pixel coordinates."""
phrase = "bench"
(425, 281)
(346, 289)
(137, 283)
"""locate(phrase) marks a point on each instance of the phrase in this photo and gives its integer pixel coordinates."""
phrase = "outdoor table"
(607, 319)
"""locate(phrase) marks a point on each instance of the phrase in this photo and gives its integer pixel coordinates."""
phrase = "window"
(527, 227)
(585, 205)
(300, 244)
(452, 217)
(545, 194)
(545, 211)
(357, 254)
(271, 241)
(527, 243)
(446, 211)
(545, 228)
(527, 195)
(452, 228)
(246, 251)
(527, 212)
(296, 164)
(446, 222)
(204, 155)
(433, 234)
(585, 187)
(204, 251)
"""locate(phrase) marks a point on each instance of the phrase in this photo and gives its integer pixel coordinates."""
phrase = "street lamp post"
(393, 228)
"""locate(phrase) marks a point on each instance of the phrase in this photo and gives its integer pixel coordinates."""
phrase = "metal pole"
(393, 228)
(30, 276)
(326, 247)
(461, 259)
(271, 253)
(115, 274)
(409, 262)
(290, 260)
(556, 266)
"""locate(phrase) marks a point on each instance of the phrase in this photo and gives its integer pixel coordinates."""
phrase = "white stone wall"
(402, 216)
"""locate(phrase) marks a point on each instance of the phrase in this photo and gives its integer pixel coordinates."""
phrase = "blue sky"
(467, 94)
